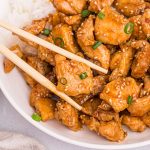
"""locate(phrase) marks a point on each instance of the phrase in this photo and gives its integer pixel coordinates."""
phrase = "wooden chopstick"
(36, 75)
(51, 46)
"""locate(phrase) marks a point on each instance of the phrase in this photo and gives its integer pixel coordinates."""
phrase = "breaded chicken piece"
(91, 106)
(39, 65)
(85, 36)
(45, 107)
(109, 29)
(115, 60)
(104, 115)
(57, 18)
(141, 63)
(146, 22)
(63, 36)
(67, 115)
(8, 65)
(40, 99)
(52, 76)
(146, 119)
(133, 123)
(74, 78)
(46, 54)
(116, 93)
(38, 92)
(73, 21)
(70, 7)
(98, 85)
(97, 5)
(146, 89)
(147, 4)
(85, 33)
(138, 31)
(29, 80)
(130, 7)
(35, 28)
(110, 130)
(140, 106)
(105, 106)
(124, 64)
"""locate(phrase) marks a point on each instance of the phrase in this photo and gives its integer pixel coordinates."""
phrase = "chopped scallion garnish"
(130, 99)
(83, 75)
(36, 117)
(63, 81)
(46, 32)
(101, 15)
(129, 28)
(96, 45)
(85, 13)
(59, 42)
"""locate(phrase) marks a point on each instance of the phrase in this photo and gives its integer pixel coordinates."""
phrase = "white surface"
(15, 141)
(11, 120)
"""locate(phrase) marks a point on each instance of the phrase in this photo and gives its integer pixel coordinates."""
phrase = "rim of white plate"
(63, 138)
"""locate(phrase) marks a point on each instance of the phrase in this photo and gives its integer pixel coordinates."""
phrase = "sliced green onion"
(83, 75)
(46, 32)
(63, 81)
(36, 117)
(59, 42)
(85, 13)
(101, 15)
(96, 45)
(129, 27)
(130, 99)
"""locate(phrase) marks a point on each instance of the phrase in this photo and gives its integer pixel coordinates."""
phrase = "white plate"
(17, 93)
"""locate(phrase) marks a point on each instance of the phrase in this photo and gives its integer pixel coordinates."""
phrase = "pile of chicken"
(112, 34)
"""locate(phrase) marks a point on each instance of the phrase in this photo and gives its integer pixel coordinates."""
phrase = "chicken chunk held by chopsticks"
(98, 85)
(74, 78)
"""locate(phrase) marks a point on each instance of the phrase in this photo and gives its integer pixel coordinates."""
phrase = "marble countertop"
(11, 120)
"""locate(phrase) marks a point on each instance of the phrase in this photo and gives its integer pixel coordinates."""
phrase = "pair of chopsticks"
(35, 74)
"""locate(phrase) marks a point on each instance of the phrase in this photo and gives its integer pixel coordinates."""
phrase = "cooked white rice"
(21, 13)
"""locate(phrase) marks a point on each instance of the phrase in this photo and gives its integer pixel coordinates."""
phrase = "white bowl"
(17, 93)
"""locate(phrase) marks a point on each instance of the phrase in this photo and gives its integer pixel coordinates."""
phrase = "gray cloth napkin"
(13, 141)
